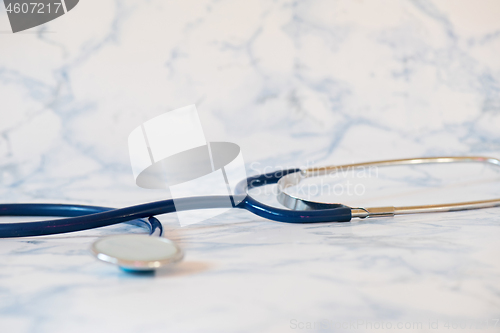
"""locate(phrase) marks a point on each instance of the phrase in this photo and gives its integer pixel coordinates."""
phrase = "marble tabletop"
(295, 84)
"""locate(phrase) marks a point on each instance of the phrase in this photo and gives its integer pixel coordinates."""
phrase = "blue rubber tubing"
(81, 217)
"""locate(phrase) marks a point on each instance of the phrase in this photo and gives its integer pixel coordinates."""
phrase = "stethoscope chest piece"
(137, 253)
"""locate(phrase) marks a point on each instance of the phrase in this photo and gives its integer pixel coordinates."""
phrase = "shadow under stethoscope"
(183, 268)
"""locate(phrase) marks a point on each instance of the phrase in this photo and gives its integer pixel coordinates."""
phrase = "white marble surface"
(294, 84)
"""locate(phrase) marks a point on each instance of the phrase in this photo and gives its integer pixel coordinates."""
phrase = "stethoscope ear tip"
(139, 254)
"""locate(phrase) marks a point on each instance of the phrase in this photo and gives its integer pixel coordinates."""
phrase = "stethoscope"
(134, 252)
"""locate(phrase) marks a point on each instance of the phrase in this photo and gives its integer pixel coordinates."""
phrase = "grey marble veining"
(295, 84)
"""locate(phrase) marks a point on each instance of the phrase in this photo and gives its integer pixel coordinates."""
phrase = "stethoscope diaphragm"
(137, 252)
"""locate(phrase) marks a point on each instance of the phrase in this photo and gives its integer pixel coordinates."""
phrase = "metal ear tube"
(297, 203)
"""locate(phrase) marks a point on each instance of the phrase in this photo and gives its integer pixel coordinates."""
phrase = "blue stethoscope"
(139, 252)
(142, 253)
(81, 217)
